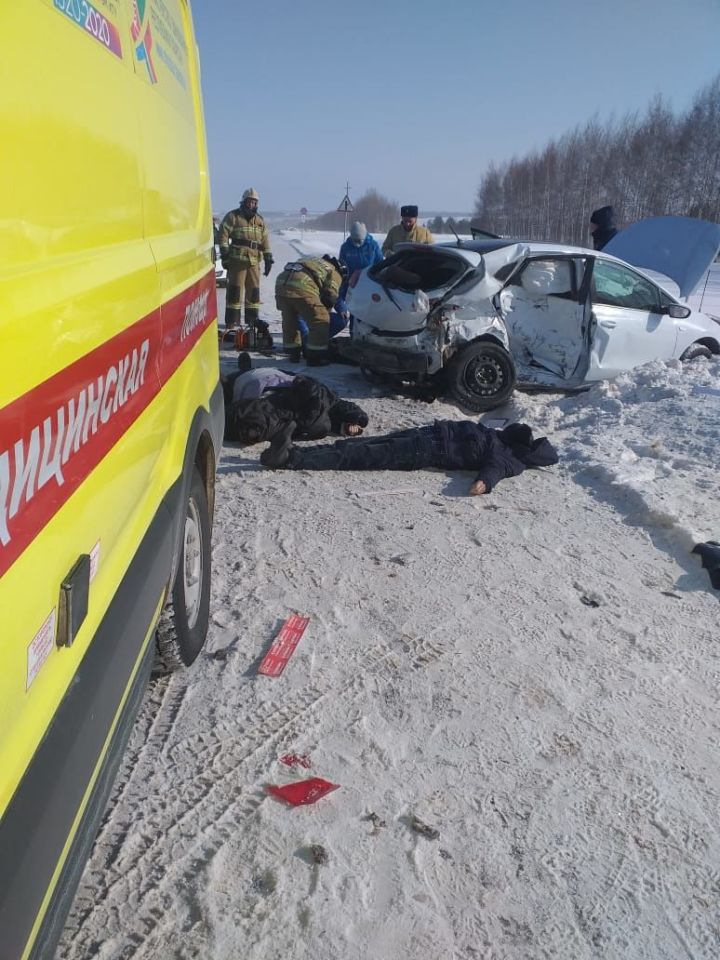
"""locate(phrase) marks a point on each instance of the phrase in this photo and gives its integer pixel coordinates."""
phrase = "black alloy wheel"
(481, 376)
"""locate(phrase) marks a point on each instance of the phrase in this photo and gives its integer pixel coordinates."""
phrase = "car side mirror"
(676, 311)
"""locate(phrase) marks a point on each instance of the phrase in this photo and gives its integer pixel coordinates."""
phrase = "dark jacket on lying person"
(495, 454)
(448, 444)
(314, 408)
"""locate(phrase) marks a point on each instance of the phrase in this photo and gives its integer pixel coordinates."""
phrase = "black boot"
(244, 362)
(317, 358)
(263, 337)
(278, 453)
(294, 354)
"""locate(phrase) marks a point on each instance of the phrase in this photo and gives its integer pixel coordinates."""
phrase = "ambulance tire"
(481, 376)
(184, 622)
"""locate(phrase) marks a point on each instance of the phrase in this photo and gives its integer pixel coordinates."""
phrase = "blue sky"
(417, 98)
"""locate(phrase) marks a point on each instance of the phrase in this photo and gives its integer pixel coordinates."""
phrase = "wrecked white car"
(483, 316)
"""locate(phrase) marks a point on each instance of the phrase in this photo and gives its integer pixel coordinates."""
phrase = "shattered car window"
(547, 278)
(412, 271)
(616, 286)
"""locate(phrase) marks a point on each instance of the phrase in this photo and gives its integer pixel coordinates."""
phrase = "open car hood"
(681, 248)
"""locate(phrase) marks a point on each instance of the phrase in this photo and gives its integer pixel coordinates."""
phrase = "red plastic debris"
(296, 760)
(304, 791)
(283, 647)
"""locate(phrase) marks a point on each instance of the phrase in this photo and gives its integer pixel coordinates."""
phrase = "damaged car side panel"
(565, 316)
(417, 311)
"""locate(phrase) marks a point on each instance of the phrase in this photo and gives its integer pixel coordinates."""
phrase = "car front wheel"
(694, 351)
(184, 622)
(481, 376)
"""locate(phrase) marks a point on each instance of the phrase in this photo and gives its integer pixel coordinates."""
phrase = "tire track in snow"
(201, 821)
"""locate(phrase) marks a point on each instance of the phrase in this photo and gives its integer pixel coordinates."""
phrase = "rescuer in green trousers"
(308, 288)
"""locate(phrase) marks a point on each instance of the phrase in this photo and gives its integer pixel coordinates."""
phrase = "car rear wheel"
(184, 622)
(481, 376)
(696, 350)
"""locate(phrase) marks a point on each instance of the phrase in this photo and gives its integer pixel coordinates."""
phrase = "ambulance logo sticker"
(93, 22)
(143, 47)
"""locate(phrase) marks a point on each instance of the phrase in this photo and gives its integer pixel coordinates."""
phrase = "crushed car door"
(628, 325)
(544, 306)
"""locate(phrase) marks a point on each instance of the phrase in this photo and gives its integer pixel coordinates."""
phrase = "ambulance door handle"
(73, 605)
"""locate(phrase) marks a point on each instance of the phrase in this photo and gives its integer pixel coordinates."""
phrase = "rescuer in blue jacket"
(360, 250)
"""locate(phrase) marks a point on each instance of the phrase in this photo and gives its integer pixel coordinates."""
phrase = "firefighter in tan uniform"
(244, 242)
(308, 288)
(407, 231)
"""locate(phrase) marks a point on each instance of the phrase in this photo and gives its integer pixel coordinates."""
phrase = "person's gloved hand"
(268, 265)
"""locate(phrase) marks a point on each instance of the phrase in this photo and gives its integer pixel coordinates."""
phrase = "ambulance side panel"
(109, 394)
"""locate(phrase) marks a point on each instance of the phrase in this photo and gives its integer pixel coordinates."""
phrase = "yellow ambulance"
(111, 415)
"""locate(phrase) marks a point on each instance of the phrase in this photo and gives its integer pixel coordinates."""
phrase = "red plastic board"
(284, 645)
(303, 791)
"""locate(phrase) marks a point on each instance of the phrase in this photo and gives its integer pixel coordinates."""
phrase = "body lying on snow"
(261, 403)
(448, 444)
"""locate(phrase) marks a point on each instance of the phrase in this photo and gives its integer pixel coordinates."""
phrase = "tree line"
(375, 211)
(449, 225)
(644, 165)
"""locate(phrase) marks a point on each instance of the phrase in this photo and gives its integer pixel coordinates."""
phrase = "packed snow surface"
(533, 675)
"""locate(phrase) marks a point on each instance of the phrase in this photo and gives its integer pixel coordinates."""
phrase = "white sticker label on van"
(40, 648)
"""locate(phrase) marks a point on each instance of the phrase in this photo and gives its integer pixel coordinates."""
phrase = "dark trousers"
(410, 449)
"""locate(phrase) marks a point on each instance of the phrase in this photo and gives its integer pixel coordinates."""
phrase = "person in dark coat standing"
(448, 444)
(602, 227)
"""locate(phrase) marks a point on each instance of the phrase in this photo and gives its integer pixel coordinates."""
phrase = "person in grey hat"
(407, 231)
(359, 251)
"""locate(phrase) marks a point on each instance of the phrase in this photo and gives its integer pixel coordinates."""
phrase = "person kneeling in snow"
(261, 403)
(448, 444)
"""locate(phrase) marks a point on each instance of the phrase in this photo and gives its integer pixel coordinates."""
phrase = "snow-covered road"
(533, 674)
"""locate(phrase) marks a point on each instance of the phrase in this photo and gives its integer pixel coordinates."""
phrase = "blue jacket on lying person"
(448, 444)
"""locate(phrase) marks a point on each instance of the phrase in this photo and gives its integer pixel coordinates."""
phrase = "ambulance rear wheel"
(184, 622)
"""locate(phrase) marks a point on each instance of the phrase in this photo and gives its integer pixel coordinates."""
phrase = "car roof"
(540, 247)
(535, 246)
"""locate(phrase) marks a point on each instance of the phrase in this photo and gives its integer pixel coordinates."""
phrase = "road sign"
(303, 211)
(345, 205)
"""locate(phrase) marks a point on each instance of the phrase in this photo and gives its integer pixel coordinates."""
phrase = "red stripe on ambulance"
(54, 436)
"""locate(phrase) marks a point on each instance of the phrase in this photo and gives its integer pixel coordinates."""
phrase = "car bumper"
(384, 359)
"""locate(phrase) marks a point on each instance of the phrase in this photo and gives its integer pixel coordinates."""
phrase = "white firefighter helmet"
(250, 194)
